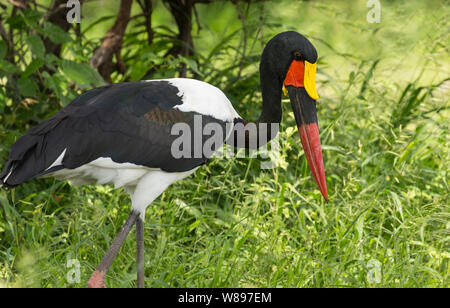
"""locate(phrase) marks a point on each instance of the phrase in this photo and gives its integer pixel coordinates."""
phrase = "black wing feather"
(127, 122)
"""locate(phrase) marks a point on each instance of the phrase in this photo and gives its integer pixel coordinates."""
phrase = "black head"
(282, 49)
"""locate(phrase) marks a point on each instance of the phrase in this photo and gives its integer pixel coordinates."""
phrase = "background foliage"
(384, 121)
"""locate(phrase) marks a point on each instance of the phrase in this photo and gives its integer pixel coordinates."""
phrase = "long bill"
(304, 108)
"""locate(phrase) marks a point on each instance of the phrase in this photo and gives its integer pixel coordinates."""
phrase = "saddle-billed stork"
(121, 133)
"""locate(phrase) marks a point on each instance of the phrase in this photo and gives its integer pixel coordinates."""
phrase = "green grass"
(384, 125)
(234, 225)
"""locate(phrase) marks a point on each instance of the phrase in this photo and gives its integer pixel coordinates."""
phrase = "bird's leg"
(140, 252)
(97, 279)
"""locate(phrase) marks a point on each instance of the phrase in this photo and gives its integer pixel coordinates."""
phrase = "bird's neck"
(271, 97)
(256, 134)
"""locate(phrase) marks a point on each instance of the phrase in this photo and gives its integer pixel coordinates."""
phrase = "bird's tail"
(6, 174)
(25, 162)
(31, 154)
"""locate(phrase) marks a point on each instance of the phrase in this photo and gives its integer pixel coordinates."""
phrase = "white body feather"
(142, 183)
(203, 98)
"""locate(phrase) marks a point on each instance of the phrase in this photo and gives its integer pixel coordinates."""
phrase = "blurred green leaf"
(27, 87)
(3, 49)
(16, 22)
(192, 65)
(138, 71)
(56, 34)
(32, 67)
(56, 83)
(81, 73)
(36, 45)
(32, 18)
(52, 61)
(8, 68)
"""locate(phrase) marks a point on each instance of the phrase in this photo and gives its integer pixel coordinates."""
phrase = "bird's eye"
(297, 55)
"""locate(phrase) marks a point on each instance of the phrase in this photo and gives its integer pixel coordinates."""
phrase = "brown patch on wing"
(161, 117)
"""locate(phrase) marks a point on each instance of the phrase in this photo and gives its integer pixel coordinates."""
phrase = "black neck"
(266, 127)
(271, 95)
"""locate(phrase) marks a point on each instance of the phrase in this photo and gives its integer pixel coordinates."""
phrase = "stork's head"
(291, 59)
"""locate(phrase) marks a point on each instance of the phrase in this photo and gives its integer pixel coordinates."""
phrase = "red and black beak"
(305, 113)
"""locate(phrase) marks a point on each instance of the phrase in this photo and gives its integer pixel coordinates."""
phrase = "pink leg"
(97, 279)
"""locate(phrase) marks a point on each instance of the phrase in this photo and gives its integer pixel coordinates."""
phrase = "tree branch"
(20, 4)
(102, 60)
(147, 10)
(181, 11)
(9, 43)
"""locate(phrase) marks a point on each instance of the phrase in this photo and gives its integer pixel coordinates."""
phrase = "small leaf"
(16, 22)
(32, 67)
(27, 87)
(56, 34)
(8, 68)
(36, 45)
(56, 83)
(32, 16)
(351, 76)
(194, 225)
(81, 73)
(52, 61)
(139, 69)
(191, 64)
